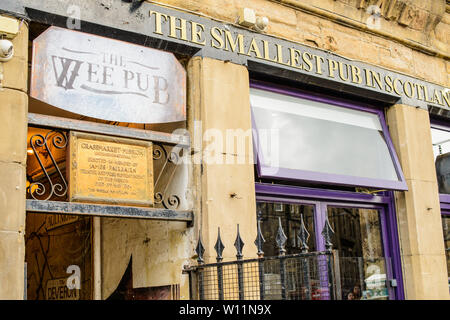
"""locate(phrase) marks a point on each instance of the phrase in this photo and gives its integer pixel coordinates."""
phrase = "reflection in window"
(328, 139)
(441, 150)
(290, 215)
(358, 239)
(441, 141)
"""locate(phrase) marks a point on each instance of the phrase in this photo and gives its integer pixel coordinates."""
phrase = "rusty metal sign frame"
(83, 209)
(40, 120)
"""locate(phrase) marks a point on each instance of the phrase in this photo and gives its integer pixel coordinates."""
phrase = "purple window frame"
(323, 198)
(318, 177)
(444, 199)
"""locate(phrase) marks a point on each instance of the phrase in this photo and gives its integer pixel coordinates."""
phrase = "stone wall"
(412, 38)
(13, 134)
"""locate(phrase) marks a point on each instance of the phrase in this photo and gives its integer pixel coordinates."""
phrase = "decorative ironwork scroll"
(166, 162)
(52, 183)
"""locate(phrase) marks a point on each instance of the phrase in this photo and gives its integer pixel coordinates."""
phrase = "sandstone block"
(12, 262)
(12, 197)
(13, 126)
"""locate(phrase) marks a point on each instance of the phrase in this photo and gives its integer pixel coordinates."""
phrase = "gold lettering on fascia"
(221, 38)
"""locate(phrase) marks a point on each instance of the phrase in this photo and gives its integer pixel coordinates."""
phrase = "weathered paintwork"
(107, 79)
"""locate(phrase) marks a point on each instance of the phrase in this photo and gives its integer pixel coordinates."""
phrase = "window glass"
(290, 215)
(318, 137)
(362, 263)
(441, 150)
(441, 141)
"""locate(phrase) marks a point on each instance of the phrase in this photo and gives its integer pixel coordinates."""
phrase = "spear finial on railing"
(200, 249)
(238, 244)
(280, 239)
(303, 236)
(259, 241)
(327, 233)
(219, 246)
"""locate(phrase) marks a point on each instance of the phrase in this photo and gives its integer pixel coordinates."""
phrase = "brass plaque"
(107, 169)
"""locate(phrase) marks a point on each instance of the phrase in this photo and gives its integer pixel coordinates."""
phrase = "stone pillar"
(219, 106)
(418, 210)
(13, 136)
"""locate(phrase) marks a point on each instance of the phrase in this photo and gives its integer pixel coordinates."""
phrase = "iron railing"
(302, 276)
(306, 275)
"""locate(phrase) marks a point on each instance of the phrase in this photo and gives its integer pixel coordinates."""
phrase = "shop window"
(440, 137)
(314, 139)
(304, 143)
(361, 249)
(361, 238)
(291, 219)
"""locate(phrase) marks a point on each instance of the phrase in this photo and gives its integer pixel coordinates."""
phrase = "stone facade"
(13, 124)
(406, 36)
(340, 26)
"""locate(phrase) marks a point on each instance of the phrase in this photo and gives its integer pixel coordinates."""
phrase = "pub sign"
(107, 79)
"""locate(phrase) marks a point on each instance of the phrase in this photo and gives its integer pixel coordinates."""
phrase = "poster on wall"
(107, 79)
(59, 257)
